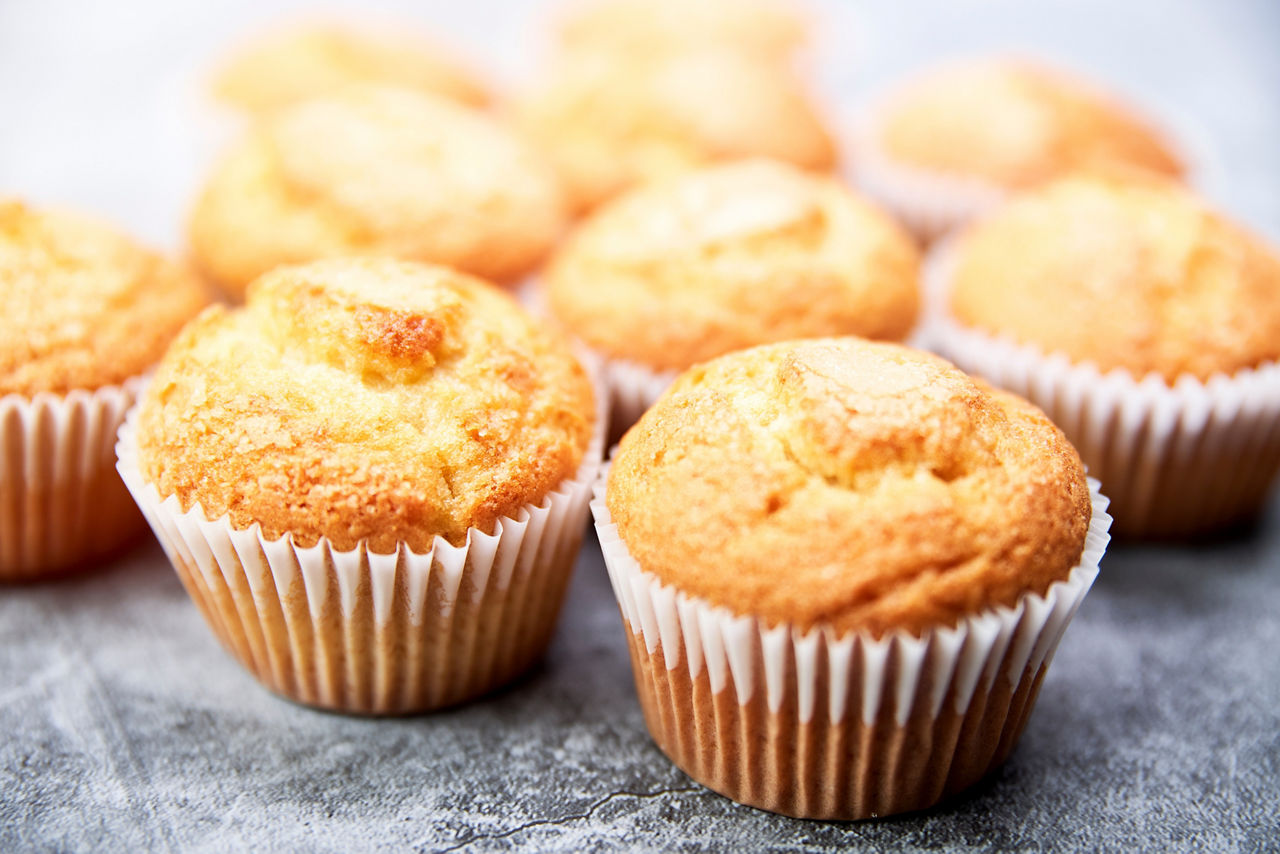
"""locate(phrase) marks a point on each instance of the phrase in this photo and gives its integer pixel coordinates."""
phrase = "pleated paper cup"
(1176, 459)
(629, 387)
(632, 389)
(817, 724)
(928, 202)
(383, 634)
(62, 505)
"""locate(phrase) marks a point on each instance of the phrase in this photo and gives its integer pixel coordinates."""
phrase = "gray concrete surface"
(128, 728)
(125, 726)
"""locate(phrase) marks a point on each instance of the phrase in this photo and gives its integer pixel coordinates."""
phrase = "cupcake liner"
(929, 203)
(1176, 460)
(632, 389)
(61, 502)
(819, 725)
(357, 631)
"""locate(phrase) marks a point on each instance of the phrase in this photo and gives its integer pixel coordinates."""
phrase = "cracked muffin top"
(298, 63)
(365, 400)
(770, 29)
(377, 171)
(850, 484)
(1125, 271)
(1014, 123)
(729, 257)
(84, 305)
(609, 124)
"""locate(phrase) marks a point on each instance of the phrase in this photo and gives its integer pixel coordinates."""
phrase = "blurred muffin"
(1145, 324)
(377, 172)
(372, 479)
(306, 61)
(843, 567)
(769, 29)
(609, 125)
(724, 258)
(949, 144)
(87, 313)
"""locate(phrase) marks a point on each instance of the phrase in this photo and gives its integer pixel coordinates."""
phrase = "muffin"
(610, 124)
(377, 172)
(86, 313)
(315, 59)
(952, 143)
(1145, 324)
(769, 29)
(723, 258)
(372, 479)
(843, 567)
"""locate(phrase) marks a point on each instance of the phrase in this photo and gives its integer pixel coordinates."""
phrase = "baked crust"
(383, 172)
(850, 484)
(365, 400)
(729, 257)
(84, 305)
(1015, 123)
(302, 62)
(1125, 271)
(609, 124)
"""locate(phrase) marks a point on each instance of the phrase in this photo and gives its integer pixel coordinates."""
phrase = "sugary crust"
(84, 306)
(1126, 271)
(770, 29)
(1016, 124)
(302, 62)
(377, 171)
(840, 482)
(729, 257)
(610, 124)
(365, 399)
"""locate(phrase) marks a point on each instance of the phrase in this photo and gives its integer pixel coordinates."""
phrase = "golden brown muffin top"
(301, 62)
(84, 306)
(365, 399)
(857, 485)
(1126, 271)
(377, 171)
(609, 124)
(771, 29)
(1015, 123)
(729, 257)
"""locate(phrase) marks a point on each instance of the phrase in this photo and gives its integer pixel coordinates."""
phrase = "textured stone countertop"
(126, 727)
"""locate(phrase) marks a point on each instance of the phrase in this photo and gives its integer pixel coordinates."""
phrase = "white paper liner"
(933, 203)
(871, 703)
(929, 203)
(1176, 460)
(61, 502)
(632, 389)
(357, 631)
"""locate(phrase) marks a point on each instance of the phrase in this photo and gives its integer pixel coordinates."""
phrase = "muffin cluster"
(842, 563)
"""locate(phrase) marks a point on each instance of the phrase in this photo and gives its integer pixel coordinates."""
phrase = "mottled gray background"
(125, 727)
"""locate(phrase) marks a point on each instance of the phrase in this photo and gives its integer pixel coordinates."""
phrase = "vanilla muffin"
(405, 435)
(87, 311)
(769, 29)
(723, 258)
(952, 142)
(1145, 324)
(305, 61)
(609, 124)
(843, 567)
(377, 172)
